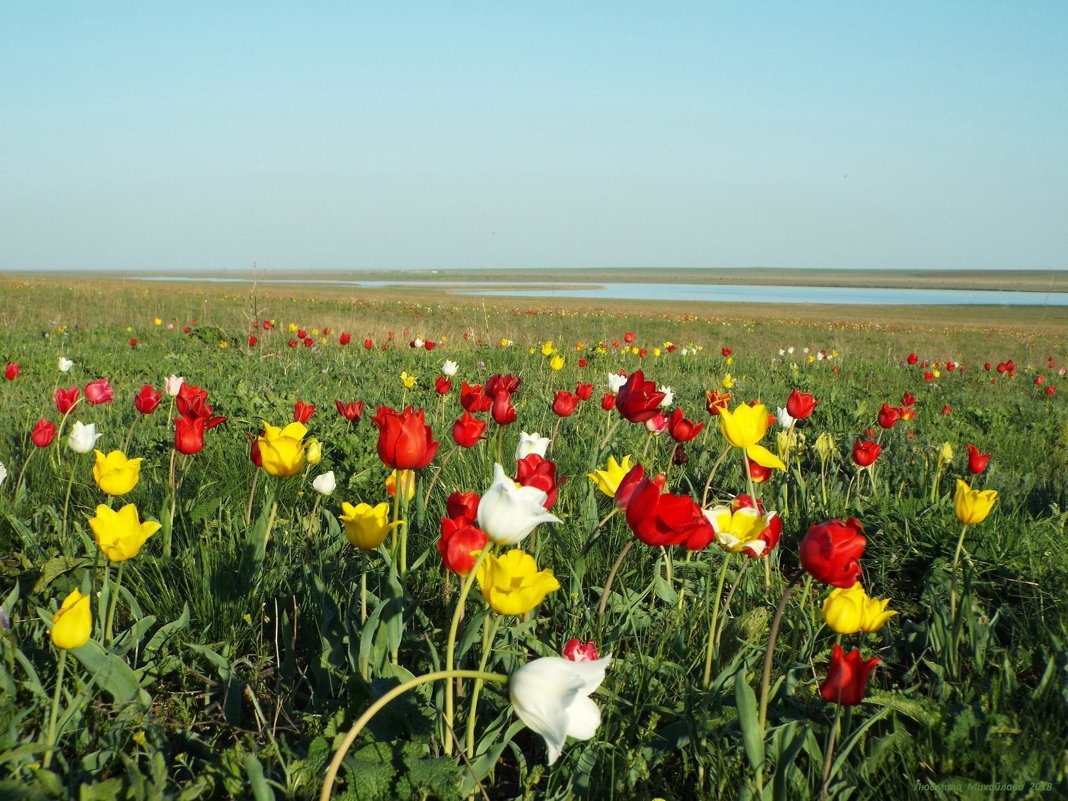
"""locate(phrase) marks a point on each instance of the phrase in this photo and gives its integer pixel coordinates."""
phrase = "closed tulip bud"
(468, 431)
(945, 455)
(147, 399)
(366, 526)
(459, 545)
(43, 433)
(325, 483)
(976, 461)
(551, 696)
(173, 385)
(888, 416)
(847, 677)
(99, 391)
(512, 583)
(115, 474)
(972, 506)
(313, 451)
(120, 535)
(72, 623)
(66, 399)
(851, 611)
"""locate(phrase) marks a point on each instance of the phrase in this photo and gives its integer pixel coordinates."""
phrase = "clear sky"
(533, 134)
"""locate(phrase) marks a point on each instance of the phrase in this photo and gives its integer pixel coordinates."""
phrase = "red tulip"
(908, 399)
(913, 358)
(565, 403)
(630, 482)
(369, 344)
(659, 518)
(538, 472)
(405, 441)
(252, 340)
(772, 531)
(345, 338)
(189, 434)
(1050, 390)
(582, 362)
(951, 366)
(800, 404)
(43, 433)
(681, 429)
(66, 399)
(301, 333)
(608, 402)
(716, 401)
(578, 651)
(507, 383)
(986, 366)
(11, 372)
(638, 399)
(976, 461)
(628, 337)
(443, 385)
(866, 452)
(430, 344)
(133, 342)
(254, 454)
(302, 411)
(308, 342)
(847, 677)
(350, 411)
(502, 409)
(758, 472)
(147, 399)
(947, 410)
(830, 552)
(474, 398)
(468, 430)
(584, 391)
(463, 505)
(1040, 380)
(888, 416)
(457, 544)
(99, 391)
(292, 343)
(725, 351)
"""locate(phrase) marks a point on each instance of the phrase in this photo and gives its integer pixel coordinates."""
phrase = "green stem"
(712, 473)
(365, 670)
(953, 575)
(113, 601)
(828, 760)
(364, 719)
(405, 479)
(66, 500)
(50, 738)
(769, 655)
(489, 632)
(450, 648)
(710, 650)
(611, 577)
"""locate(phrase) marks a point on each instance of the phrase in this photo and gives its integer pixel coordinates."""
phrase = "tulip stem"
(712, 474)
(450, 648)
(399, 690)
(66, 500)
(50, 737)
(22, 472)
(710, 650)
(251, 496)
(113, 601)
(129, 434)
(953, 575)
(828, 760)
(608, 437)
(489, 632)
(769, 655)
(405, 481)
(611, 577)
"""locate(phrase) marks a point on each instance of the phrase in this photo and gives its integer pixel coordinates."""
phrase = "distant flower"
(449, 368)
(65, 364)
(976, 461)
(11, 371)
(43, 433)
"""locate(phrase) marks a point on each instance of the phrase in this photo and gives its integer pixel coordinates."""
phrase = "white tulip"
(448, 369)
(551, 696)
(669, 396)
(82, 437)
(615, 381)
(507, 513)
(418, 342)
(3, 473)
(173, 384)
(65, 364)
(531, 443)
(785, 418)
(325, 483)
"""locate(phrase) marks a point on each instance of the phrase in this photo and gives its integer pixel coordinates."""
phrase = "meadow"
(229, 654)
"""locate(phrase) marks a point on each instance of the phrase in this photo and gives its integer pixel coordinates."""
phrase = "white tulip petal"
(584, 718)
(507, 513)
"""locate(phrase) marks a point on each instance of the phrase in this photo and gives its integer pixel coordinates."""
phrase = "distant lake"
(727, 293)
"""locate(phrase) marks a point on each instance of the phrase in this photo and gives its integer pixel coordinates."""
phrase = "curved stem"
(712, 474)
(489, 633)
(399, 690)
(714, 623)
(953, 576)
(450, 648)
(608, 436)
(22, 472)
(769, 655)
(66, 500)
(829, 759)
(611, 577)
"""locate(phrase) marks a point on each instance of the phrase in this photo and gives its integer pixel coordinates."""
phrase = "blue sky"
(519, 135)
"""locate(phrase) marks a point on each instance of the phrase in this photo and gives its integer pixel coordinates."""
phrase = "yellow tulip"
(157, 321)
(744, 428)
(547, 348)
(556, 362)
(607, 480)
(728, 381)
(120, 535)
(740, 530)
(972, 506)
(72, 623)
(366, 526)
(407, 479)
(407, 380)
(512, 584)
(282, 449)
(850, 611)
(824, 446)
(945, 454)
(115, 474)
(313, 451)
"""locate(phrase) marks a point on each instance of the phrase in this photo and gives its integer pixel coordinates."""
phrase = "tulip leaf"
(164, 632)
(112, 674)
(752, 736)
(261, 790)
(54, 568)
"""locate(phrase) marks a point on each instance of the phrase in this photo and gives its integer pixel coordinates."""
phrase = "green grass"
(237, 659)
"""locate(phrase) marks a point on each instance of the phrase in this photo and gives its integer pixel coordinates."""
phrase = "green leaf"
(752, 736)
(261, 790)
(111, 674)
(54, 568)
